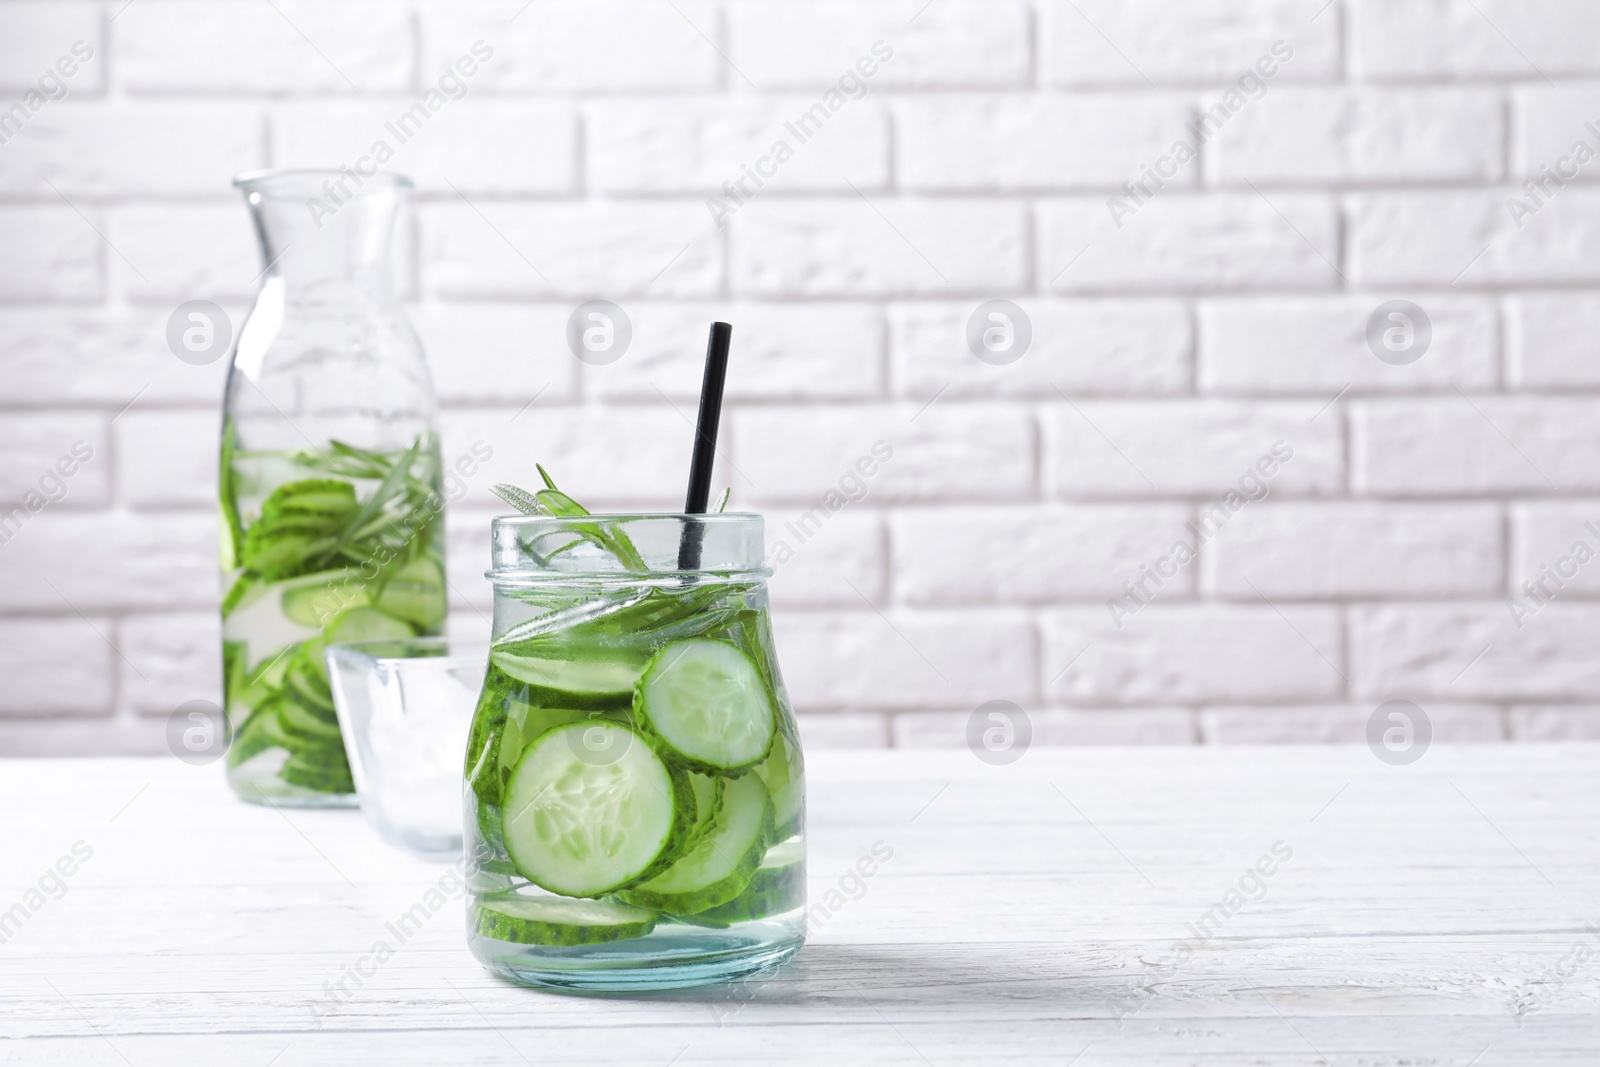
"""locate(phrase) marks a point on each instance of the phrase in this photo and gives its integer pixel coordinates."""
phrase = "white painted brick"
(843, 730)
(121, 149)
(1078, 346)
(1219, 241)
(94, 356)
(167, 457)
(35, 36)
(36, 456)
(289, 46)
(1318, 345)
(1055, 726)
(1322, 136)
(637, 456)
(882, 247)
(1170, 653)
(1559, 723)
(487, 146)
(171, 659)
(110, 561)
(1469, 237)
(1194, 448)
(610, 250)
(1340, 724)
(949, 451)
(833, 564)
(1551, 341)
(37, 40)
(175, 253)
(1018, 142)
(467, 557)
(578, 45)
(54, 667)
(497, 353)
(786, 351)
(1345, 549)
(1444, 446)
(785, 43)
(1095, 42)
(1544, 539)
(903, 660)
(1412, 40)
(469, 626)
(698, 144)
(1550, 121)
(1036, 554)
(50, 253)
(1428, 650)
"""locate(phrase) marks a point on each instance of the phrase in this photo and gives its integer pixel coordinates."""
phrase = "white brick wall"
(1365, 152)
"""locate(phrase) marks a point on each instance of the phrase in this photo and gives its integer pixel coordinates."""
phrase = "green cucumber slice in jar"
(718, 868)
(708, 705)
(558, 921)
(582, 683)
(591, 809)
(782, 773)
(777, 886)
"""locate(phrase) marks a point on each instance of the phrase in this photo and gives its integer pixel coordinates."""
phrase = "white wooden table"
(1054, 911)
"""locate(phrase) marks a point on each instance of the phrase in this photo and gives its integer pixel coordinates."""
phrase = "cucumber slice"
(709, 704)
(318, 601)
(315, 776)
(525, 723)
(306, 685)
(557, 921)
(251, 739)
(415, 594)
(300, 720)
(581, 681)
(718, 868)
(365, 624)
(783, 773)
(708, 797)
(591, 808)
(778, 885)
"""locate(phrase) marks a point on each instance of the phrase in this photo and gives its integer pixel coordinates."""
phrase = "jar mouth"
(308, 181)
(636, 547)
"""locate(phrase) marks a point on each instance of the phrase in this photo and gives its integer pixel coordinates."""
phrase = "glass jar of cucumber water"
(330, 483)
(635, 796)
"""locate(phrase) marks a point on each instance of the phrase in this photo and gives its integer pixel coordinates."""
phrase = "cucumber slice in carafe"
(591, 808)
(708, 704)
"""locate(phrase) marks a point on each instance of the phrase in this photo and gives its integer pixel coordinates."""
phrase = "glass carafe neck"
(326, 236)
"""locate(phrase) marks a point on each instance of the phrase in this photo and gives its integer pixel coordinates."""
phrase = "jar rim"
(628, 547)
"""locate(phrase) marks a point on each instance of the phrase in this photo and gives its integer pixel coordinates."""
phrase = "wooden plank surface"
(1073, 907)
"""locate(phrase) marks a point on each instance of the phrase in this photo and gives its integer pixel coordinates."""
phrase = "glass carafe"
(332, 516)
(635, 795)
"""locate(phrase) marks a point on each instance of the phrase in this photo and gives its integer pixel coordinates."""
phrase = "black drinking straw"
(705, 444)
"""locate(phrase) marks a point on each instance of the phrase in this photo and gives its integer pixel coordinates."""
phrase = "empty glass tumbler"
(404, 710)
